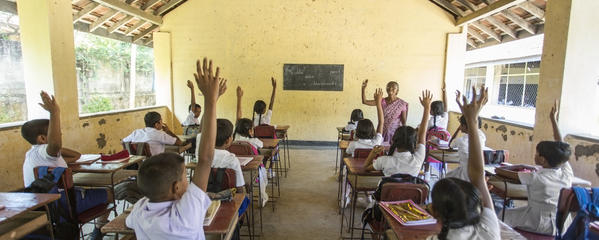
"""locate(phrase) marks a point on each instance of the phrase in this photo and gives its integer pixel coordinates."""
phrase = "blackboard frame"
(313, 77)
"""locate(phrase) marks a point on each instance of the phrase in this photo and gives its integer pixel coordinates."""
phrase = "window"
(476, 77)
(104, 76)
(517, 83)
(12, 83)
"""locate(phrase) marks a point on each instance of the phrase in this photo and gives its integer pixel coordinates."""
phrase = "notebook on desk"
(87, 159)
(211, 212)
(408, 213)
(245, 160)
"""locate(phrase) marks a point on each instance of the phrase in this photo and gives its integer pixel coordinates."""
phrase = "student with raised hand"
(407, 151)
(264, 116)
(465, 209)
(365, 135)
(194, 109)
(172, 208)
(244, 130)
(544, 183)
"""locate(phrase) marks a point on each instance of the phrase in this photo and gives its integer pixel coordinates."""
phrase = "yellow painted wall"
(251, 40)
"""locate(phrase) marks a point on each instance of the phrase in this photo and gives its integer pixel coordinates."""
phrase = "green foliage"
(97, 104)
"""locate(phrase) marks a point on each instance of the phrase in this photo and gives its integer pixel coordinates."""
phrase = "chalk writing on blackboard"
(313, 77)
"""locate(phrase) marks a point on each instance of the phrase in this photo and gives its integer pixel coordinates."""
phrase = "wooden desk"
(423, 231)
(252, 167)
(186, 137)
(222, 225)
(356, 168)
(281, 132)
(282, 128)
(18, 219)
(270, 143)
(98, 167)
(177, 149)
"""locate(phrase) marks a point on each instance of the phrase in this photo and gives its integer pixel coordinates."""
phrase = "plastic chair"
(66, 183)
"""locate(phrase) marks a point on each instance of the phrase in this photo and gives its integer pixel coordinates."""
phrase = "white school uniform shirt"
(351, 126)
(257, 143)
(178, 219)
(154, 137)
(364, 143)
(401, 162)
(442, 121)
(37, 157)
(486, 229)
(265, 118)
(191, 120)
(226, 159)
(462, 144)
(544, 187)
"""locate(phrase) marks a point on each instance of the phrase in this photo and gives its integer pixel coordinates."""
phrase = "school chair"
(567, 205)
(137, 148)
(358, 153)
(268, 131)
(242, 148)
(65, 182)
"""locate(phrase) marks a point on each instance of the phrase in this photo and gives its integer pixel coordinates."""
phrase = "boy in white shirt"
(544, 184)
(224, 158)
(172, 208)
(407, 150)
(244, 131)
(260, 108)
(194, 109)
(366, 138)
(156, 134)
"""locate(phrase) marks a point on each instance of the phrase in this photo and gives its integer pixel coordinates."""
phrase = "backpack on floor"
(589, 212)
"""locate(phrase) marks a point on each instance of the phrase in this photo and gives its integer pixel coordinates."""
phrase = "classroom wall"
(403, 41)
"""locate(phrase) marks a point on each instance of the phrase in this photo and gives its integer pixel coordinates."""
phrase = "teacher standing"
(395, 109)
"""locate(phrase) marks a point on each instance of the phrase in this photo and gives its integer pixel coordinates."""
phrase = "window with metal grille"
(517, 83)
(474, 76)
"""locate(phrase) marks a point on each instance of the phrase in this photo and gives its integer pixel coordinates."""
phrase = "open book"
(87, 159)
(408, 213)
(245, 160)
(211, 212)
(115, 161)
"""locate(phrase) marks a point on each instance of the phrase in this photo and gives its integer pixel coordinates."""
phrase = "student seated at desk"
(156, 134)
(365, 135)
(45, 138)
(407, 150)
(222, 157)
(461, 144)
(465, 209)
(544, 184)
(194, 109)
(260, 108)
(356, 116)
(172, 208)
(244, 130)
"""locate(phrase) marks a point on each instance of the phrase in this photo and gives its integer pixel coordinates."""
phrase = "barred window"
(518, 83)
(474, 77)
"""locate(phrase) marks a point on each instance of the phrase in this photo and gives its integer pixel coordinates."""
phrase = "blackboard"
(313, 77)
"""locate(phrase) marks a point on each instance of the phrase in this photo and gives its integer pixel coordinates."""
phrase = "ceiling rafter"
(120, 23)
(86, 10)
(487, 11)
(502, 26)
(468, 5)
(519, 21)
(476, 35)
(487, 31)
(101, 20)
(144, 33)
(533, 10)
(448, 7)
(130, 10)
(167, 7)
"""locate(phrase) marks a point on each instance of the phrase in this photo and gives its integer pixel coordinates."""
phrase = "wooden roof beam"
(101, 20)
(448, 7)
(86, 10)
(145, 32)
(477, 35)
(130, 10)
(533, 10)
(135, 27)
(519, 21)
(468, 5)
(166, 7)
(487, 30)
(471, 42)
(487, 11)
(504, 28)
(150, 4)
(119, 24)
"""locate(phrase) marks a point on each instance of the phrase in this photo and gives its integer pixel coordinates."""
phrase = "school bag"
(221, 179)
(588, 212)
(374, 214)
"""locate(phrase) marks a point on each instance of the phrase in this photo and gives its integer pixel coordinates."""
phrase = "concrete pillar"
(163, 71)
(569, 69)
(49, 55)
(454, 66)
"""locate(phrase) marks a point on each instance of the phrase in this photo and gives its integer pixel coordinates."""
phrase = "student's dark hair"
(405, 137)
(151, 118)
(463, 122)
(157, 174)
(31, 129)
(259, 108)
(224, 130)
(197, 106)
(437, 109)
(365, 129)
(243, 127)
(554, 152)
(456, 203)
(356, 115)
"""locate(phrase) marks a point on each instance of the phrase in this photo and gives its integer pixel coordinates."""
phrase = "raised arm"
(378, 97)
(239, 95)
(425, 100)
(193, 95)
(364, 101)
(557, 135)
(54, 133)
(209, 85)
(69, 155)
(476, 163)
(272, 96)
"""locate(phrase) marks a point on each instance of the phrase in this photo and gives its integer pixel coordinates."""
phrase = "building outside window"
(12, 82)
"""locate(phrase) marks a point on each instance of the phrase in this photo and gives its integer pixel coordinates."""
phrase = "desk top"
(177, 149)
(98, 167)
(17, 203)
(270, 142)
(282, 128)
(423, 231)
(356, 167)
(449, 156)
(254, 164)
(343, 144)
